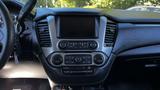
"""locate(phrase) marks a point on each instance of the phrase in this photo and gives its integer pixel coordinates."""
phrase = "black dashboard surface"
(135, 29)
(136, 33)
(133, 16)
(132, 36)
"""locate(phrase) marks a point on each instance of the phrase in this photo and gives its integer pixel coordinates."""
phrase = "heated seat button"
(57, 60)
(78, 70)
(98, 59)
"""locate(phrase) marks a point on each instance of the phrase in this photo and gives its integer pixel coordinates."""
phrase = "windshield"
(138, 5)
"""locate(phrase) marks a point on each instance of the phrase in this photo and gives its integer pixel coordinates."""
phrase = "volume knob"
(57, 60)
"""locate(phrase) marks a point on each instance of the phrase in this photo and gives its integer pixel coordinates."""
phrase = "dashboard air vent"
(43, 33)
(110, 33)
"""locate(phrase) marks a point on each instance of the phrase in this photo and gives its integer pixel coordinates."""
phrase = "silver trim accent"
(92, 54)
(54, 40)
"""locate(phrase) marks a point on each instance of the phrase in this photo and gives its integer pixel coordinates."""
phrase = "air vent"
(43, 33)
(110, 33)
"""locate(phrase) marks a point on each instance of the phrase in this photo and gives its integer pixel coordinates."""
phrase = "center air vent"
(110, 34)
(43, 33)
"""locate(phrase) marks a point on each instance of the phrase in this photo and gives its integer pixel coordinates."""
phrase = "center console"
(73, 47)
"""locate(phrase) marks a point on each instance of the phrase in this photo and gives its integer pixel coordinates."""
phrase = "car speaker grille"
(43, 33)
(110, 34)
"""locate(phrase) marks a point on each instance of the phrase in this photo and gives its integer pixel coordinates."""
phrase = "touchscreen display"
(77, 27)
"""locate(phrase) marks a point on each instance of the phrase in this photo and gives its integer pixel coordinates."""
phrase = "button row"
(78, 59)
(78, 70)
(78, 45)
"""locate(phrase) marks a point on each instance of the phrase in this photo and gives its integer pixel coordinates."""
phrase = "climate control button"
(78, 59)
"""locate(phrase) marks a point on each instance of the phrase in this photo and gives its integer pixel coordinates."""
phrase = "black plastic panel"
(148, 50)
(132, 36)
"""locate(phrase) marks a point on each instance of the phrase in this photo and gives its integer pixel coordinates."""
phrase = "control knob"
(57, 60)
(98, 59)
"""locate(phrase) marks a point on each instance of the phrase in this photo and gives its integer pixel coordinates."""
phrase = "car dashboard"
(78, 46)
(71, 50)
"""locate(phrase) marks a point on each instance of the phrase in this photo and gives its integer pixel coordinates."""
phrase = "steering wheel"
(6, 34)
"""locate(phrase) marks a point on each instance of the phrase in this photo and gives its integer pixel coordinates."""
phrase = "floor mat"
(25, 69)
(24, 84)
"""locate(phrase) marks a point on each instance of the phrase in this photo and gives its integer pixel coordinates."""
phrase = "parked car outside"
(145, 8)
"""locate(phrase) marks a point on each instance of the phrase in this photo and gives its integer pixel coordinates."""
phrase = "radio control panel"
(77, 52)
(77, 45)
(78, 63)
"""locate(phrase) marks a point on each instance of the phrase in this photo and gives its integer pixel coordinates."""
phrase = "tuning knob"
(98, 59)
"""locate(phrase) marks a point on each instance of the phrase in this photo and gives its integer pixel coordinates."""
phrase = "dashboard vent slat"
(110, 34)
(43, 33)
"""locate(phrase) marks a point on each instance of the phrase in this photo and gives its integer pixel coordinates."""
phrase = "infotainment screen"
(76, 27)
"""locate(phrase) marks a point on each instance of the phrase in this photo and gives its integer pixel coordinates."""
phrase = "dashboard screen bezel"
(93, 37)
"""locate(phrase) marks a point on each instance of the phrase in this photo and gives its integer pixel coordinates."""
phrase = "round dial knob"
(98, 59)
(57, 59)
